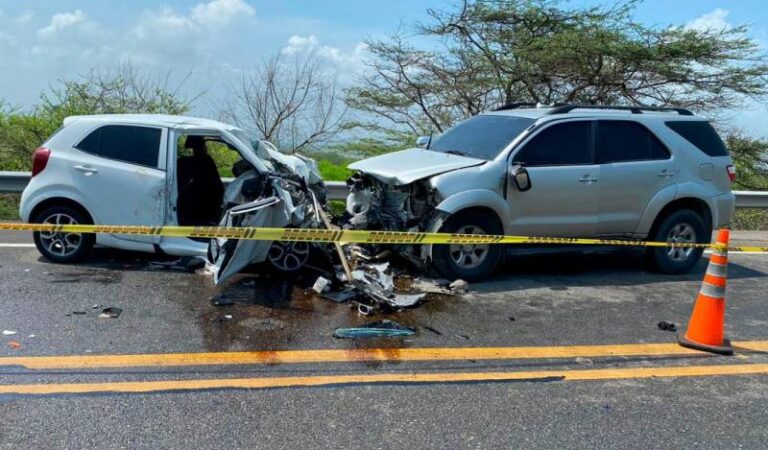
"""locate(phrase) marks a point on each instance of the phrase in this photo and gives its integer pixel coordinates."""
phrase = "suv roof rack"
(564, 109)
(515, 106)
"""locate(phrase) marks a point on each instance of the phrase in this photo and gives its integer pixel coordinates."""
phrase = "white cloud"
(219, 13)
(712, 21)
(310, 44)
(63, 21)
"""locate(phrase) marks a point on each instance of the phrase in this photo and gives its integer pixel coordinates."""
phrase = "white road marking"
(740, 253)
(2, 245)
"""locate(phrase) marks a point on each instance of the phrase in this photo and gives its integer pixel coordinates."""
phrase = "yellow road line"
(407, 378)
(354, 355)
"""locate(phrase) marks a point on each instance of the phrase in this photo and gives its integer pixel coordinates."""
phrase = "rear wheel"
(680, 227)
(471, 262)
(63, 247)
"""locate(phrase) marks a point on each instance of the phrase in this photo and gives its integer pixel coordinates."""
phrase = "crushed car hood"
(407, 166)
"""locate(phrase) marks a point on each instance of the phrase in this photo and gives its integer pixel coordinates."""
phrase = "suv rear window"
(625, 141)
(700, 134)
(131, 144)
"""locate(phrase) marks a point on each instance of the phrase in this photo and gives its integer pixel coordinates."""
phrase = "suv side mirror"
(423, 141)
(520, 177)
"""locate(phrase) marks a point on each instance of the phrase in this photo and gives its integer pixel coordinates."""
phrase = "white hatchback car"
(144, 170)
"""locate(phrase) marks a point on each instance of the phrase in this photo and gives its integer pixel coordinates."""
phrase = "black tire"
(80, 247)
(444, 261)
(660, 258)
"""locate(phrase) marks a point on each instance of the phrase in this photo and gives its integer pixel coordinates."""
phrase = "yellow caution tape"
(347, 236)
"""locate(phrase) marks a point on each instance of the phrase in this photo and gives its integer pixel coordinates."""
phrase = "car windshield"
(481, 137)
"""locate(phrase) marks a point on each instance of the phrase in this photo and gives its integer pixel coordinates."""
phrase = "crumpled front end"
(291, 195)
(375, 205)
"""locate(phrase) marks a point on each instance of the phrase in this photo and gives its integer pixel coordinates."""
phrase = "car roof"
(543, 113)
(162, 120)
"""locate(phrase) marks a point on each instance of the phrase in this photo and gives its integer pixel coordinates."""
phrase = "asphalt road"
(381, 393)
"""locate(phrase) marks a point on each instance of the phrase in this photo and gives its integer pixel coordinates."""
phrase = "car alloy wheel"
(288, 256)
(469, 256)
(682, 233)
(61, 243)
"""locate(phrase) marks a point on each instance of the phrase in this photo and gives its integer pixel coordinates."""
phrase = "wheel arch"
(695, 204)
(59, 201)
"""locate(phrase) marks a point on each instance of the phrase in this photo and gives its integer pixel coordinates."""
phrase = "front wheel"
(471, 262)
(681, 227)
(63, 247)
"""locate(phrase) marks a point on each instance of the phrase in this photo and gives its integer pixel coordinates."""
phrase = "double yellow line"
(383, 355)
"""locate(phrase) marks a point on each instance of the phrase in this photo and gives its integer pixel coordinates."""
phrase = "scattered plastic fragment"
(667, 326)
(14, 345)
(584, 361)
(432, 286)
(110, 313)
(8, 333)
(31, 335)
(95, 306)
(365, 310)
(321, 285)
(341, 296)
(382, 328)
(406, 300)
(458, 287)
(228, 316)
(222, 300)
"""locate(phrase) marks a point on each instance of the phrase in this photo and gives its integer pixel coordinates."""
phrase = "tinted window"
(91, 143)
(562, 144)
(700, 134)
(481, 137)
(619, 141)
(136, 145)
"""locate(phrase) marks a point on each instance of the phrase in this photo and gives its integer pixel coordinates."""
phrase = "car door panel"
(562, 201)
(635, 166)
(123, 193)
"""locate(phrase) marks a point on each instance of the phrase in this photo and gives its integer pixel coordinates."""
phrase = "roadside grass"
(753, 219)
(9, 206)
(333, 172)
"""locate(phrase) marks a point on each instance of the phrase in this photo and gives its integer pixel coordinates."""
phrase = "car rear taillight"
(40, 160)
(731, 172)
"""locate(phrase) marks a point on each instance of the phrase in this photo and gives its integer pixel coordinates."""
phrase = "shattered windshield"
(481, 137)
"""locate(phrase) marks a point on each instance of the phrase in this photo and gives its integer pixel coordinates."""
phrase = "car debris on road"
(381, 328)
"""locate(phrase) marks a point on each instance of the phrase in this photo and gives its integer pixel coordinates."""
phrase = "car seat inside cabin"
(200, 189)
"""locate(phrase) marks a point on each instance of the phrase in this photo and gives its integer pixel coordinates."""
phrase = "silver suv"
(660, 174)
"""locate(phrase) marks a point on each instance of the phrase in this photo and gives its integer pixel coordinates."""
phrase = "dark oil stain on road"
(85, 276)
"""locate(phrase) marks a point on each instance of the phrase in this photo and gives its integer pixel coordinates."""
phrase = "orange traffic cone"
(705, 329)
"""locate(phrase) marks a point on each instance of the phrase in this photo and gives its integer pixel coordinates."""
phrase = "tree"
(751, 159)
(123, 89)
(295, 104)
(487, 53)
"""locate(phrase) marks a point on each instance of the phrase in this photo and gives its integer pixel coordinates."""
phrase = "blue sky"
(214, 40)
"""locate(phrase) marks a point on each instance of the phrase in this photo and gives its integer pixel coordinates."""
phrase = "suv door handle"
(666, 173)
(587, 179)
(86, 169)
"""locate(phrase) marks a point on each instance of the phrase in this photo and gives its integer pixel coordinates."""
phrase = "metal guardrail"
(751, 199)
(14, 182)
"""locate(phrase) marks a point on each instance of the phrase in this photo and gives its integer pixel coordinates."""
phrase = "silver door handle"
(666, 173)
(587, 179)
(86, 169)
